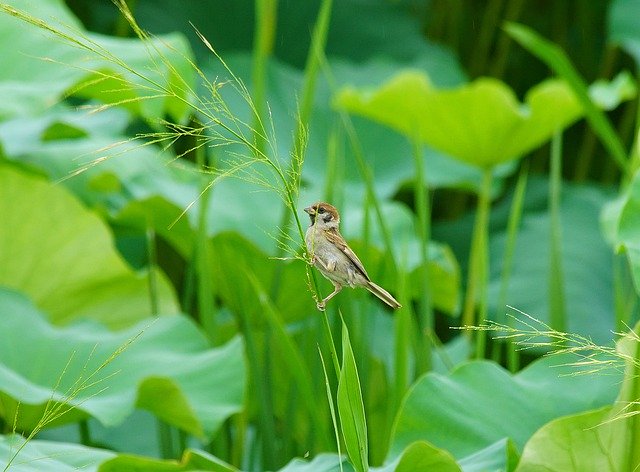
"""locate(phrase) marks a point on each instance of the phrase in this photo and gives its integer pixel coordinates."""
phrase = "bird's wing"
(334, 236)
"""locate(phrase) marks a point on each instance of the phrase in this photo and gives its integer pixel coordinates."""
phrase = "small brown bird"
(333, 257)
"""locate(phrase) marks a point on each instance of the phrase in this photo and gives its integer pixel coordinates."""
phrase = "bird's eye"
(321, 210)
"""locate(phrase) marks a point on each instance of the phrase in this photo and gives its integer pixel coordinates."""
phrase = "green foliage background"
(157, 307)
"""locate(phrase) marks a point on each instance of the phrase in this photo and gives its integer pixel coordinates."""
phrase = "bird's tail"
(383, 295)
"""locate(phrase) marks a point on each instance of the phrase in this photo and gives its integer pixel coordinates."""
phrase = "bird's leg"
(321, 305)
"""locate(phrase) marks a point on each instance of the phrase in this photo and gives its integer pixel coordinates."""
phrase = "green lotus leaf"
(422, 456)
(62, 256)
(164, 365)
(481, 123)
(480, 403)
(604, 440)
(33, 83)
(37, 455)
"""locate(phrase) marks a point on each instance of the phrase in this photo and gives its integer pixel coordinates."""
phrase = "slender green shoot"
(479, 264)
(264, 34)
(334, 419)
(515, 215)
(423, 225)
(557, 304)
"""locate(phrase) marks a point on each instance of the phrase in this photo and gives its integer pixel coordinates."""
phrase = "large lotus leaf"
(481, 123)
(623, 26)
(424, 457)
(604, 440)
(586, 258)
(164, 365)
(38, 456)
(32, 83)
(63, 257)
(480, 403)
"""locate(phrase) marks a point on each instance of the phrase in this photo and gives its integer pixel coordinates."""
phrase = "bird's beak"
(310, 211)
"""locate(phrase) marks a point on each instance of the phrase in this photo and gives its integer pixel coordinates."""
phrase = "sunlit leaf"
(62, 256)
(605, 439)
(481, 123)
(422, 456)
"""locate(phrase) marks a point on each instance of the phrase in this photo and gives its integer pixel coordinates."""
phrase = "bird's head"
(323, 215)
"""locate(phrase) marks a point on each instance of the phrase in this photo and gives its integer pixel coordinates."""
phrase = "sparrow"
(333, 257)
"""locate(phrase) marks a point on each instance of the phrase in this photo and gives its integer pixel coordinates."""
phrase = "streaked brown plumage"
(333, 257)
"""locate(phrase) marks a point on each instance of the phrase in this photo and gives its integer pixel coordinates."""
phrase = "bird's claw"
(320, 305)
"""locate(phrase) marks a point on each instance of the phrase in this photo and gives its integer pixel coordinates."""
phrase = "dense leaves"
(158, 365)
(155, 299)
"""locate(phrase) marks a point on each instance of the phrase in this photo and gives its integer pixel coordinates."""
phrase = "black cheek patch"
(328, 217)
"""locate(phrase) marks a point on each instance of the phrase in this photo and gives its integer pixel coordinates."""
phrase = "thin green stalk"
(369, 182)
(293, 360)
(333, 177)
(122, 27)
(402, 335)
(454, 11)
(206, 307)
(587, 150)
(479, 264)
(262, 392)
(165, 439)
(557, 306)
(513, 11)
(314, 56)
(332, 409)
(363, 168)
(238, 444)
(425, 311)
(332, 344)
(164, 430)
(515, 215)
(152, 274)
(629, 427)
(265, 31)
(483, 40)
